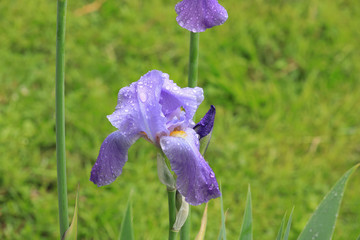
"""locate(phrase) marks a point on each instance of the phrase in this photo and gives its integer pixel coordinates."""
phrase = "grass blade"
(71, 232)
(222, 234)
(201, 234)
(127, 230)
(322, 223)
(288, 226)
(280, 232)
(246, 228)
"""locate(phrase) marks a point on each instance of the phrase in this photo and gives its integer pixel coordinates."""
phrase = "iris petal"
(151, 119)
(173, 97)
(138, 108)
(112, 157)
(195, 179)
(198, 15)
(126, 114)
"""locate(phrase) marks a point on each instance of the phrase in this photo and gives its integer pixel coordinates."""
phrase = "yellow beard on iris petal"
(175, 133)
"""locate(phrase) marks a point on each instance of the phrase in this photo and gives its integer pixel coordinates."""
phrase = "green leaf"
(280, 232)
(246, 228)
(127, 230)
(71, 232)
(222, 234)
(322, 223)
(288, 226)
(201, 233)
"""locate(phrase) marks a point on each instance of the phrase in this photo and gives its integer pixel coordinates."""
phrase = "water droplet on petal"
(212, 174)
(143, 97)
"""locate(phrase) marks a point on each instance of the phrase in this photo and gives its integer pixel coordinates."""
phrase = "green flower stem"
(193, 59)
(185, 230)
(172, 213)
(60, 117)
(192, 82)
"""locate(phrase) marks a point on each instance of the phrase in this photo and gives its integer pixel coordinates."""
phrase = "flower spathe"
(157, 109)
(199, 15)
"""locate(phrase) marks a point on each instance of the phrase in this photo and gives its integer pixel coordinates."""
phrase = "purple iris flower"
(198, 15)
(156, 109)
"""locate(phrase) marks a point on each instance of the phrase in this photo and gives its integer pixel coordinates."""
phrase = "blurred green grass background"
(283, 75)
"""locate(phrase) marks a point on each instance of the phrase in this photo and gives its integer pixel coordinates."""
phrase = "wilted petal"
(195, 179)
(198, 15)
(206, 124)
(112, 157)
(173, 97)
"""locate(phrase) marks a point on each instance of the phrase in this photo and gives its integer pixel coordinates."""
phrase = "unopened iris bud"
(199, 15)
(204, 129)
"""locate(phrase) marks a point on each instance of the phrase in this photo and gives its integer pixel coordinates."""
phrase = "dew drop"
(212, 174)
(143, 97)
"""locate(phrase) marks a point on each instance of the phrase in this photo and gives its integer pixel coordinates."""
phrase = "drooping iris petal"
(173, 97)
(198, 15)
(206, 124)
(138, 108)
(195, 179)
(112, 157)
(152, 120)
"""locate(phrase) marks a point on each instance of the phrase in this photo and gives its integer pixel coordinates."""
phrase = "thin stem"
(172, 213)
(185, 230)
(193, 59)
(193, 76)
(60, 116)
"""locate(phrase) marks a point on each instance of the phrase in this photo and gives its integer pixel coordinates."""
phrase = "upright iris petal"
(199, 15)
(157, 109)
(174, 97)
(138, 108)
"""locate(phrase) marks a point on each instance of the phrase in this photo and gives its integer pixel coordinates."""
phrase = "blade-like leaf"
(71, 232)
(322, 223)
(246, 228)
(288, 226)
(222, 234)
(201, 234)
(280, 232)
(127, 230)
